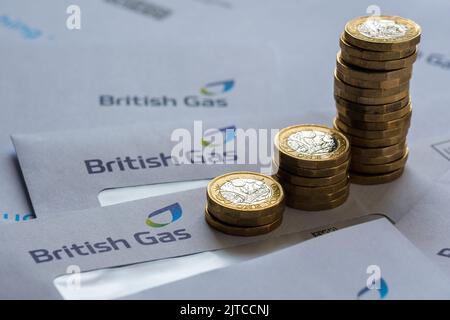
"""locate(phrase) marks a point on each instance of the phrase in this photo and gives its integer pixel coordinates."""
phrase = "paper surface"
(427, 225)
(329, 267)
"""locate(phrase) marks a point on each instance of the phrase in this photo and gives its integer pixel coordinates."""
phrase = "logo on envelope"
(229, 134)
(109, 244)
(382, 291)
(218, 87)
(211, 96)
(164, 216)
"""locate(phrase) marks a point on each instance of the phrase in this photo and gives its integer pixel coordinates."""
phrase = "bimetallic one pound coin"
(372, 134)
(382, 33)
(373, 117)
(363, 159)
(293, 189)
(370, 100)
(379, 152)
(379, 168)
(283, 176)
(371, 75)
(369, 93)
(379, 65)
(372, 84)
(373, 55)
(369, 179)
(372, 109)
(247, 220)
(316, 198)
(365, 125)
(313, 173)
(375, 143)
(307, 206)
(311, 146)
(240, 231)
(246, 196)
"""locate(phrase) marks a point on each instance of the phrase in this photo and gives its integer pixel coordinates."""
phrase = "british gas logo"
(382, 290)
(109, 244)
(212, 95)
(228, 134)
(164, 216)
(218, 87)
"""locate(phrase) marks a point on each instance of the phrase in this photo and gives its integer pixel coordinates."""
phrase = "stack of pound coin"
(311, 163)
(371, 90)
(244, 203)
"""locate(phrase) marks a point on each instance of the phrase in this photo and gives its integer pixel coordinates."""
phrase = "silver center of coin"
(382, 29)
(312, 142)
(245, 191)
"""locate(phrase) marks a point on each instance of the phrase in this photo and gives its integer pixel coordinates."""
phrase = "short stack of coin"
(244, 203)
(311, 163)
(371, 89)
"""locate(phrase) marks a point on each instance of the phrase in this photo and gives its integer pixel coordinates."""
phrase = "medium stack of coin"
(244, 203)
(311, 163)
(371, 89)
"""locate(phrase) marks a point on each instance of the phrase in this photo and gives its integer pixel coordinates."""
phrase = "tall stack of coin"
(311, 163)
(244, 203)
(371, 89)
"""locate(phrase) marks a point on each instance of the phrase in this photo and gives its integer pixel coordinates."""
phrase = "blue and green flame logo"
(382, 291)
(175, 214)
(218, 87)
(229, 134)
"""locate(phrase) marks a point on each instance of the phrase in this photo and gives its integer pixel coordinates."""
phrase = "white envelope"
(380, 264)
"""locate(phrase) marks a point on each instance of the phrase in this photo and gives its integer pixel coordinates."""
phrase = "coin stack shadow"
(244, 203)
(371, 90)
(311, 163)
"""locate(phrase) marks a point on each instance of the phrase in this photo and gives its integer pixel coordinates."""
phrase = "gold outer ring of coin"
(379, 65)
(370, 100)
(293, 189)
(304, 205)
(378, 152)
(373, 55)
(376, 126)
(318, 198)
(373, 109)
(363, 125)
(219, 205)
(290, 157)
(313, 173)
(369, 84)
(241, 231)
(284, 176)
(354, 37)
(248, 221)
(375, 143)
(369, 179)
(371, 134)
(370, 93)
(379, 160)
(373, 117)
(371, 75)
(380, 168)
